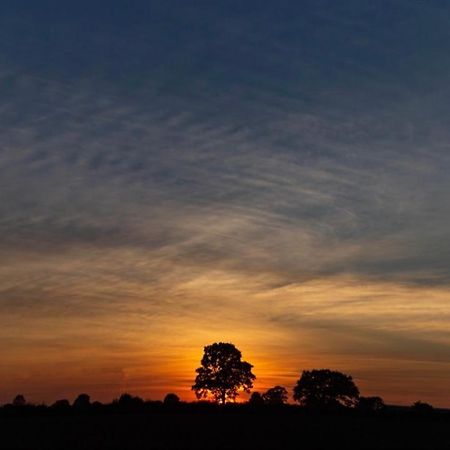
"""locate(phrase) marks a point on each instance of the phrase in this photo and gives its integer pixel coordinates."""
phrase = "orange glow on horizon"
(371, 331)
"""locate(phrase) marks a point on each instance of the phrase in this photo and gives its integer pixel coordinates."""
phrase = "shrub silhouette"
(61, 404)
(277, 395)
(19, 400)
(222, 373)
(128, 402)
(128, 399)
(422, 407)
(171, 399)
(325, 388)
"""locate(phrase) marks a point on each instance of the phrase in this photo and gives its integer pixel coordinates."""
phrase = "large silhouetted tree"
(325, 388)
(222, 373)
(275, 396)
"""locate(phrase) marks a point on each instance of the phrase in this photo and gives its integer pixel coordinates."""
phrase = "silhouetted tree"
(83, 401)
(371, 404)
(275, 396)
(422, 407)
(256, 399)
(19, 400)
(222, 373)
(171, 399)
(325, 388)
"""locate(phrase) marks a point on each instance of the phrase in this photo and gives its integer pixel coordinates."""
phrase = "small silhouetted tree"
(371, 404)
(83, 401)
(171, 399)
(325, 388)
(19, 400)
(256, 399)
(277, 395)
(222, 373)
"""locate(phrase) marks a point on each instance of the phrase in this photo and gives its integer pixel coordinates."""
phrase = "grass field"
(227, 428)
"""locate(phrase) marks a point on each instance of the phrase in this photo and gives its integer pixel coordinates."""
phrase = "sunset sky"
(273, 174)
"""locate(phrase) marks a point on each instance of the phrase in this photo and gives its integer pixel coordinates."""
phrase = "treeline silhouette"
(273, 399)
(328, 413)
(219, 379)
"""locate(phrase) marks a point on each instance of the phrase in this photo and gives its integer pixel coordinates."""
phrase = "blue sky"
(187, 161)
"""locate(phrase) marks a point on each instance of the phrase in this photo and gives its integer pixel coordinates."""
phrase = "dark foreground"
(229, 428)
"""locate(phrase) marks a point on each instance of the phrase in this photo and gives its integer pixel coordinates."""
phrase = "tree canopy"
(325, 388)
(222, 373)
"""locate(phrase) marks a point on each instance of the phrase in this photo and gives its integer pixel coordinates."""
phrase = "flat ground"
(212, 429)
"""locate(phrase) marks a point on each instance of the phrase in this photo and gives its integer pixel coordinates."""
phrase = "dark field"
(228, 428)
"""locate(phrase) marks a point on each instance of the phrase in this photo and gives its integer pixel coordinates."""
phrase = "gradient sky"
(272, 174)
